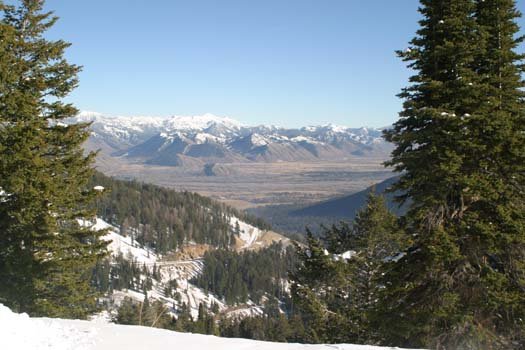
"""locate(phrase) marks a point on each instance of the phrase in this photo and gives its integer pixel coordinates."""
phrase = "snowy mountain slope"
(124, 245)
(252, 238)
(181, 271)
(20, 332)
(208, 138)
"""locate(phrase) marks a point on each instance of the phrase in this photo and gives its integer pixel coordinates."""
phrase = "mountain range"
(207, 139)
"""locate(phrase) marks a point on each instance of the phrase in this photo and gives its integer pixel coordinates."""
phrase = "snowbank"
(20, 332)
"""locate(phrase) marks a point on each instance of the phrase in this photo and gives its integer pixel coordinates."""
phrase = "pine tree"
(128, 312)
(184, 319)
(46, 256)
(459, 143)
(498, 213)
(320, 290)
(336, 285)
(376, 238)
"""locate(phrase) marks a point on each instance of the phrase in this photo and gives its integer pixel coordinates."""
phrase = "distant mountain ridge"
(347, 207)
(177, 140)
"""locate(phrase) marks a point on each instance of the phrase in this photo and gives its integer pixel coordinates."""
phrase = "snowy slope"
(248, 234)
(125, 245)
(251, 237)
(182, 271)
(20, 332)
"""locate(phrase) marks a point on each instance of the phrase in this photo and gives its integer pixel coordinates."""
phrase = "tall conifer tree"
(45, 255)
(459, 144)
(336, 288)
(498, 215)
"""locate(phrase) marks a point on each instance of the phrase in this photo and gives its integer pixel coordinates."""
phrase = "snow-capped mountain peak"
(209, 138)
(200, 122)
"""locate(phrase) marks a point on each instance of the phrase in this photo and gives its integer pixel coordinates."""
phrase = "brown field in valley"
(248, 185)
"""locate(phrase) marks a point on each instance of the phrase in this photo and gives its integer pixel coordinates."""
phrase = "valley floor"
(21, 332)
(248, 185)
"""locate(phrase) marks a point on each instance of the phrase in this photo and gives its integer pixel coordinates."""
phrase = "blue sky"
(283, 62)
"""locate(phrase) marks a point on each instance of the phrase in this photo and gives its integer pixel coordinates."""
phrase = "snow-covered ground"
(252, 238)
(181, 270)
(20, 332)
(247, 233)
(125, 245)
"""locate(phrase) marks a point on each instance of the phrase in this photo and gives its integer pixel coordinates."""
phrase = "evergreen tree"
(200, 324)
(376, 238)
(320, 290)
(184, 319)
(459, 143)
(497, 212)
(338, 238)
(335, 291)
(128, 312)
(46, 257)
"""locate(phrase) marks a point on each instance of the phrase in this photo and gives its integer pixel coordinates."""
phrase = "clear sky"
(282, 62)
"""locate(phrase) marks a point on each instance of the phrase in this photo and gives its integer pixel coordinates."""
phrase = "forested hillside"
(249, 275)
(164, 219)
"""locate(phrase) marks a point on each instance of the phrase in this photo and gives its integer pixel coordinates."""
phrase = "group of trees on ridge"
(164, 219)
(249, 275)
(334, 285)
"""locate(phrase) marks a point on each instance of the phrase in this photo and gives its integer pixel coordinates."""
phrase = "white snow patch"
(258, 140)
(203, 137)
(304, 139)
(21, 332)
(344, 256)
(127, 246)
(248, 233)
(4, 197)
(395, 258)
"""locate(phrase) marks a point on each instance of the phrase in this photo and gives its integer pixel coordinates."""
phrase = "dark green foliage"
(460, 147)
(205, 323)
(320, 292)
(151, 314)
(156, 314)
(251, 274)
(277, 328)
(164, 219)
(128, 312)
(335, 295)
(46, 257)
(376, 238)
(184, 321)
